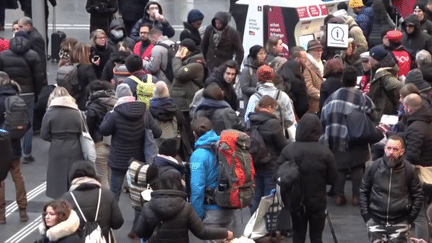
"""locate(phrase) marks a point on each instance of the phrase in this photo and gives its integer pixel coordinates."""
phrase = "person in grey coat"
(248, 77)
(62, 125)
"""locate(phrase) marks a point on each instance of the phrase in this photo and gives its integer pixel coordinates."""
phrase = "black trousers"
(315, 218)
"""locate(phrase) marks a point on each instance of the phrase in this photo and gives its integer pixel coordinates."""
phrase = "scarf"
(217, 36)
(316, 63)
(124, 99)
(65, 101)
(83, 180)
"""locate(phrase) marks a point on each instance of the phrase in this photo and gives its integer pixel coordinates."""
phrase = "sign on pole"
(337, 35)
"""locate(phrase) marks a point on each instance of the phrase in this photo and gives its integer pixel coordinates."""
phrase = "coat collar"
(62, 229)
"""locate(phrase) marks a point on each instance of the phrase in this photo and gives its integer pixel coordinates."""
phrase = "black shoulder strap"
(137, 173)
(163, 44)
(409, 170)
(374, 169)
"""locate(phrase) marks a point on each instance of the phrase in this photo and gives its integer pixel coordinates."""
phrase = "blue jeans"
(28, 137)
(219, 218)
(264, 184)
(117, 177)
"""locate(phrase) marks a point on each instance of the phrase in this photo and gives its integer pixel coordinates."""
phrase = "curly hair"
(61, 208)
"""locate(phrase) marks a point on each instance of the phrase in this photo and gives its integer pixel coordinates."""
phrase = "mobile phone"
(184, 51)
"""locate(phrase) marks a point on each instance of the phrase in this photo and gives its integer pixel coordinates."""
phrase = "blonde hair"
(60, 92)
(94, 35)
(80, 54)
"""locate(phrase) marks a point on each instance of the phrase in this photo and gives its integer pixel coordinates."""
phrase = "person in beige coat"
(313, 74)
(355, 31)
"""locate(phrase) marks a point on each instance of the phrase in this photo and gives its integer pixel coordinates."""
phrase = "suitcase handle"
(54, 19)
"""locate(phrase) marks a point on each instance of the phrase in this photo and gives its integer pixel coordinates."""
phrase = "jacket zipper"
(388, 200)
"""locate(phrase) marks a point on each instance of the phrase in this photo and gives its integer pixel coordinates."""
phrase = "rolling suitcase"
(57, 37)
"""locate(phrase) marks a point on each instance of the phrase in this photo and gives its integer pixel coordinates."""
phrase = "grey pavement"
(73, 20)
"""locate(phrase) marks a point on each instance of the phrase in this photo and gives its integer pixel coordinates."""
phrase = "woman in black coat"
(101, 13)
(168, 217)
(85, 188)
(333, 74)
(100, 51)
(270, 128)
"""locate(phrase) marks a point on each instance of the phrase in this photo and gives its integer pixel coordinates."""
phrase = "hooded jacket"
(173, 217)
(271, 131)
(426, 70)
(116, 58)
(23, 65)
(418, 137)
(316, 162)
(119, 24)
(230, 43)
(100, 103)
(228, 88)
(101, 13)
(126, 125)
(248, 78)
(166, 28)
(418, 40)
(426, 25)
(365, 20)
(190, 33)
(387, 196)
(381, 22)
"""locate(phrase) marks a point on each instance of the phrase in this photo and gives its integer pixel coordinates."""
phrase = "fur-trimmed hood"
(62, 229)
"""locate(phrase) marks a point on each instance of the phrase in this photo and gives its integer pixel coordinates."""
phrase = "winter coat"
(100, 103)
(62, 125)
(426, 70)
(87, 195)
(38, 45)
(104, 53)
(116, 58)
(248, 79)
(295, 86)
(6, 91)
(63, 232)
(331, 84)
(229, 44)
(315, 161)
(384, 90)
(228, 88)
(86, 74)
(271, 131)
(159, 59)
(126, 125)
(313, 79)
(101, 13)
(189, 77)
(173, 217)
(132, 10)
(219, 112)
(386, 195)
(112, 40)
(167, 29)
(360, 42)
(143, 50)
(23, 65)
(365, 20)
(284, 102)
(418, 40)
(381, 22)
(190, 33)
(204, 172)
(426, 26)
(418, 137)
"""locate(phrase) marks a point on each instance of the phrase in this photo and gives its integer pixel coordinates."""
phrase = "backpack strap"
(79, 208)
(137, 173)
(136, 79)
(149, 79)
(97, 209)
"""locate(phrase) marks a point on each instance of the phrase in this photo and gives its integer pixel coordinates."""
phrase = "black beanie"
(253, 51)
(133, 63)
(189, 44)
(168, 147)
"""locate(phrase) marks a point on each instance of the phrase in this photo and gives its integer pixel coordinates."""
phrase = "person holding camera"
(101, 13)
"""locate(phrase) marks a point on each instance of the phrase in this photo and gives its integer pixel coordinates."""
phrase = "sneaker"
(23, 215)
(28, 159)
(340, 200)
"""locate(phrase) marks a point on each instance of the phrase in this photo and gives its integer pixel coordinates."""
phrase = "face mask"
(117, 33)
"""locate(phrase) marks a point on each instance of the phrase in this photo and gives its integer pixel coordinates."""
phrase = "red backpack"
(236, 171)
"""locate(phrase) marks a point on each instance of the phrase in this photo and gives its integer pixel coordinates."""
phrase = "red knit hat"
(265, 73)
(394, 36)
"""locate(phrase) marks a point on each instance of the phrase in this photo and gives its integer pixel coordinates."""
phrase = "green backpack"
(144, 91)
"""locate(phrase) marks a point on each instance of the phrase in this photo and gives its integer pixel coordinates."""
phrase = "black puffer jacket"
(271, 131)
(418, 40)
(381, 22)
(316, 162)
(87, 195)
(228, 88)
(331, 84)
(23, 65)
(85, 74)
(386, 197)
(178, 217)
(117, 57)
(100, 103)
(126, 125)
(418, 137)
(190, 33)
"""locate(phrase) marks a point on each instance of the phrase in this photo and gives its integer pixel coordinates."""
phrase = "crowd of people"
(363, 112)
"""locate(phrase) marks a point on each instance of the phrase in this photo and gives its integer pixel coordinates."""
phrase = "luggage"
(57, 37)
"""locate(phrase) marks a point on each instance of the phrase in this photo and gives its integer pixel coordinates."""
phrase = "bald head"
(412, 103)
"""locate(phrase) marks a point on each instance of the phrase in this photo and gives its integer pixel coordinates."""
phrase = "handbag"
(150, 147)
(87, 144)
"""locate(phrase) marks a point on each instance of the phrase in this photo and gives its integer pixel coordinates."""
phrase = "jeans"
(220, 218)
(264, 184)
(21, 194)
(102, 168)
(356, 177)
(28, 137)
(421, 225)
(393, 233)
(117, 177)
(315, 219)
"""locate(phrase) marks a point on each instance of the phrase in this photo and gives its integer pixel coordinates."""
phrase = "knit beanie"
(265, 73)
(189, 44)
(194, 15)
(160, 90)
(378, 52)
(133, 63)
(168, 147)
(356, 3)
(415, 77)
(313, 45)
(123, 90)
(253, 51)
(421, 6)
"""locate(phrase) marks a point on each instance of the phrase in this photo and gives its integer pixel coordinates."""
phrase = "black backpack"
(16, 119)
(258, 150)
(67, 77)
(169, 73)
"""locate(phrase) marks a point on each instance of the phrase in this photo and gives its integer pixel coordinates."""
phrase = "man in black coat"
(317, 169)
(414, 38)
(420, 12)
(390, 195)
